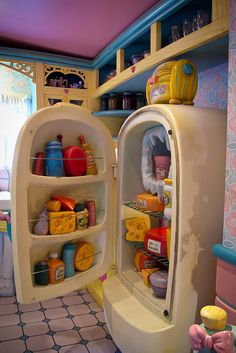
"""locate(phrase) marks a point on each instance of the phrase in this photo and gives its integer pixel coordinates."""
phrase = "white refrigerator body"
(138, 321)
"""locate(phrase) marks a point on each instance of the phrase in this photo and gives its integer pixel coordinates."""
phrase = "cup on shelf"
(175, 33)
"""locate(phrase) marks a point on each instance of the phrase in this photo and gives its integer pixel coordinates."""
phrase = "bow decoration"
(221, 342)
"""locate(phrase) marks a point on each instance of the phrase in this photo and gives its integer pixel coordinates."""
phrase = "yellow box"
(61, 222)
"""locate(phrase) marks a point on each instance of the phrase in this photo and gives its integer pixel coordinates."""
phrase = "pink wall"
(229, 234)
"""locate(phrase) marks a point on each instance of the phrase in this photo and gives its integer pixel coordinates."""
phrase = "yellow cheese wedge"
(214, 317)
(84, 256)
(137, 228)
(61, 222)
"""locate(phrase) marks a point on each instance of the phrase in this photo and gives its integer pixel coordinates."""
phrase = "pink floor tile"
(7, 300)
(106, 328)
(92, 333)
(15, 346)
(85, 320)
(29, 307)
(88, 298)
(10, 333)
(56, 313)
(61, 324)
(39, 342)
(8, 309)
(71, 293)
(8, 320)
(32, 316)
(95, 307)
(52, 303)
(78, 309)
(67, 337)
(46, 351)
(76, 348)
(36, 328)
(101, 346)
(100, 316)
(73, 300)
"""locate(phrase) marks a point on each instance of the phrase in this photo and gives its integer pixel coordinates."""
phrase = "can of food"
(91, 207)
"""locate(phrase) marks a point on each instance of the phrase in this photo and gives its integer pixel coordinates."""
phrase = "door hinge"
(114, 167)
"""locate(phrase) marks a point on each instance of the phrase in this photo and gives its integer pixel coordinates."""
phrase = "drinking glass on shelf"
(175, 33)
(194, 24)
(187, 27)
(202, 18)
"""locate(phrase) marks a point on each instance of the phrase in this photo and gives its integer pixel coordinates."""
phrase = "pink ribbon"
(221, 342)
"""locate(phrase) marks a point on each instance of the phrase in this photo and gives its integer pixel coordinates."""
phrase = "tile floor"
(74, 323)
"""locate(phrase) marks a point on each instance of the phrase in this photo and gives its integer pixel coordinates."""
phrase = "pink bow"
(221, 342)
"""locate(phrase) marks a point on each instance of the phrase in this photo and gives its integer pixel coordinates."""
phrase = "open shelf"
(114, 113)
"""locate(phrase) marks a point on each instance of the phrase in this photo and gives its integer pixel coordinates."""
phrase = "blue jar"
(68, 255)
(54, 159)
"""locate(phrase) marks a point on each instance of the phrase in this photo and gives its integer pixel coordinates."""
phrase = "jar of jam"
(104, 102)
(139, 100)
(113, 101)
(127, 101)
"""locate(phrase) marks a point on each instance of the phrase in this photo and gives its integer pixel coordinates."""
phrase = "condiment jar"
(136, 58)
(113, 101)
(104, 102)
(139, 100)
(41, 275)
(54, 159)
(127, 101)
(68, 256)
(81, 216)
(56, 269)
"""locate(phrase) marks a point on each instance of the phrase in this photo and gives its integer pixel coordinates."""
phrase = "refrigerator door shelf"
(31, 192)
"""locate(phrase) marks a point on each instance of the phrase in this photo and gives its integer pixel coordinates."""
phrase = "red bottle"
(38, 167)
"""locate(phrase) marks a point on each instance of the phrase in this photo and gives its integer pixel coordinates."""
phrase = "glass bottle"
(113, 101)
(126, 101)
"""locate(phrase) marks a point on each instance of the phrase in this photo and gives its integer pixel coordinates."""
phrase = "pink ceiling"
(82, 28)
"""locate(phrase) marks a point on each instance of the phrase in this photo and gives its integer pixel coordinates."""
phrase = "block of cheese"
(149, 202)
(214, 317)
(143, 261)
(84, 256)
(136, 228)
(61, 222)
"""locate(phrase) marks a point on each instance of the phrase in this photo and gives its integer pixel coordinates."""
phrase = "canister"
(159, 281)
(54, 159)
(81, 217)
(68, 257)
(127, 101)
(155, 241)
(41, 275)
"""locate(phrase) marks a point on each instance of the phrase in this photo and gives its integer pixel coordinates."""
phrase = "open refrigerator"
(137, 319)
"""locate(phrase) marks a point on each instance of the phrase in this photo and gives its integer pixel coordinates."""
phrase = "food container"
(113, 101)
(139, 100)
(155, 241)
(127, 101)
(136, 58)
(75, 163)
(143, 261)
(159, 281)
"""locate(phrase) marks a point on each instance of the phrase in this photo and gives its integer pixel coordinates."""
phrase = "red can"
(38, 167)
(90, 205)
(155, 241)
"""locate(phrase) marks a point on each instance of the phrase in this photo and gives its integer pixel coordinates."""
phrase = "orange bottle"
(91, 164)
(56, 269)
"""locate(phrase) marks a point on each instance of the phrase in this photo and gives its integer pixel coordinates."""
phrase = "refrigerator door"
(30, 192)
(138, 320)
